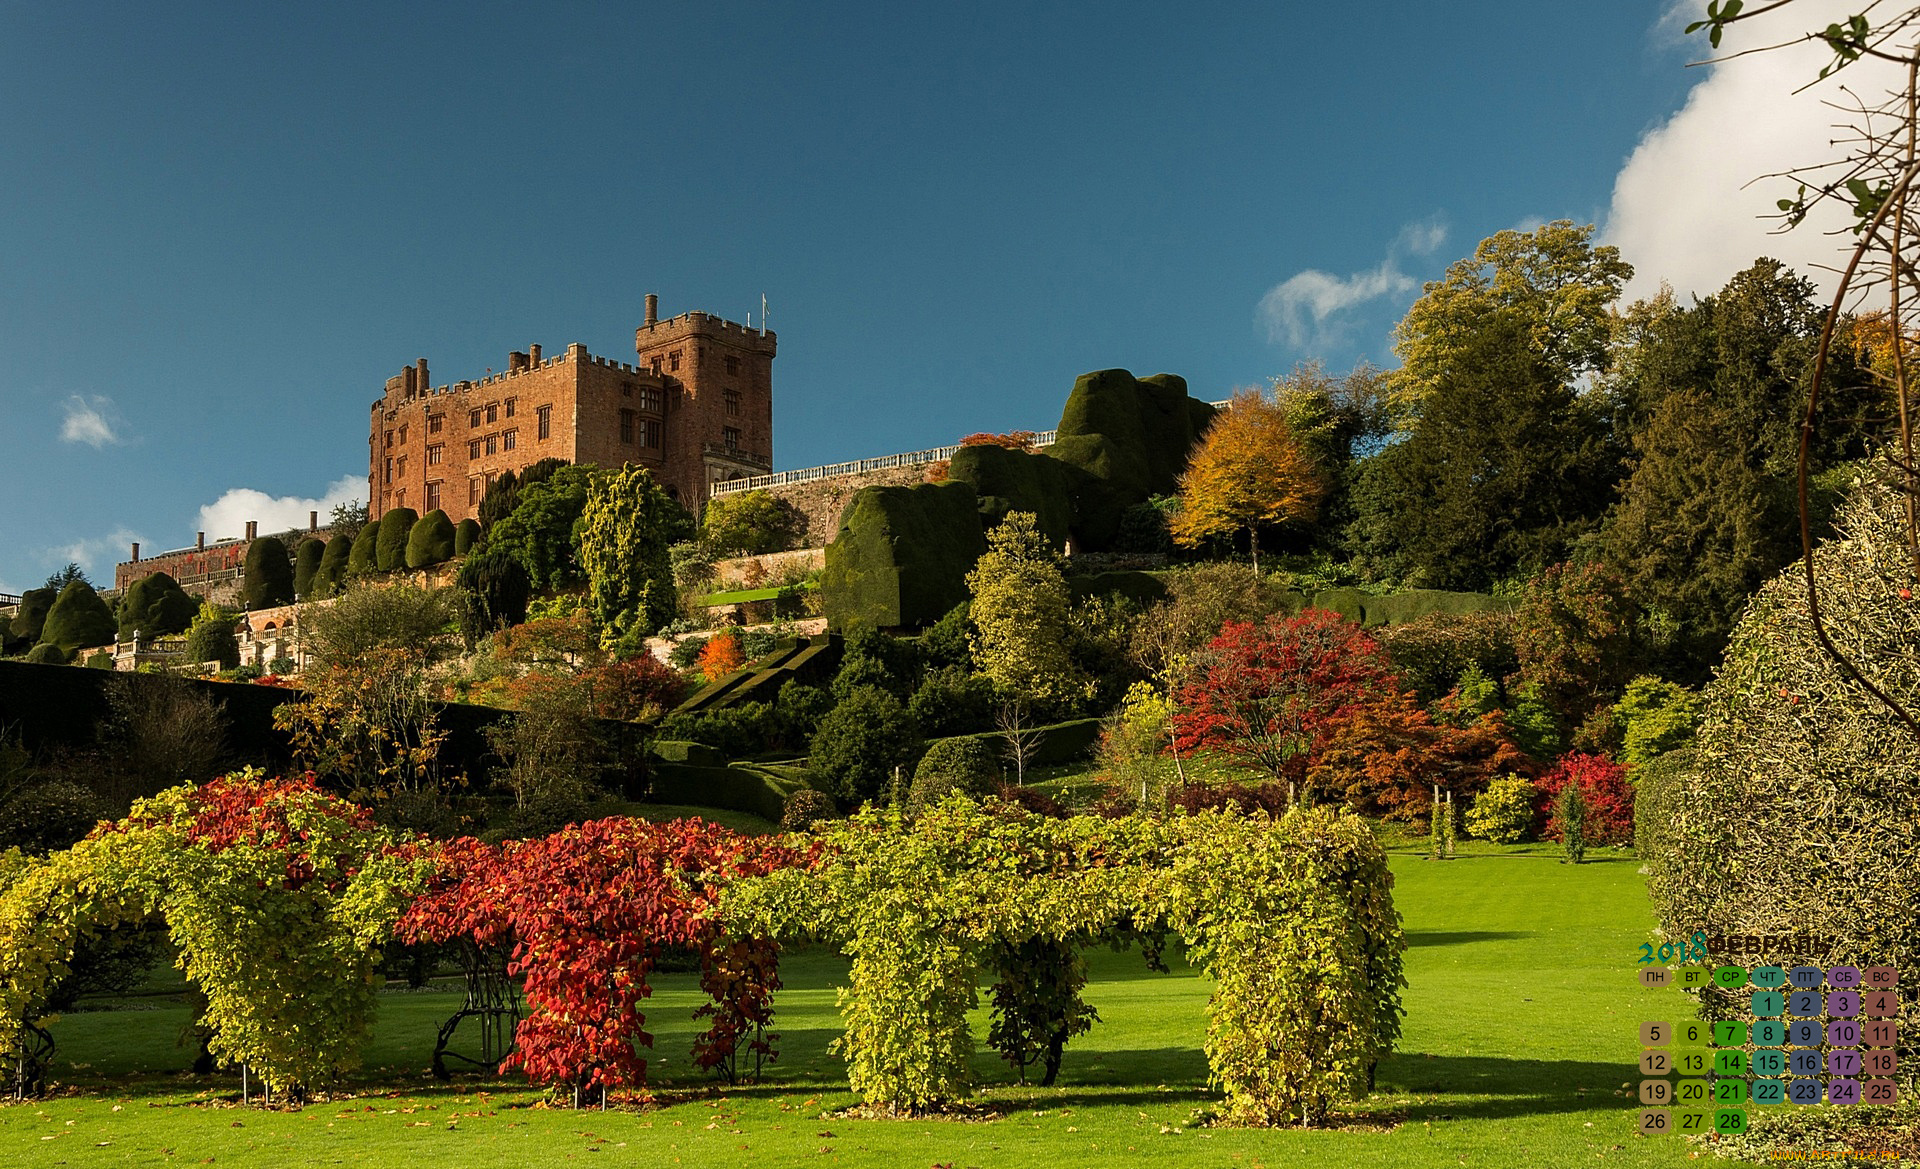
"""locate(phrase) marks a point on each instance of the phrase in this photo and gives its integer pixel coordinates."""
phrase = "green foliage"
(966, 767)
(945, 641)
(430, 540)
(1128, 438)
(156, 606)
(390, 543)
(65, 576)
(1201, 599)
(345, 521)
(466, 534)
(735, 731)
(364, 556)
(30, 618)
(873, 658)
(78, 618)
(368, 618)
(1655, 717)
(49, 815)
(1504, 812)
(953, 702)
(540, 530)
(622, 536)
(1534, 725)
(1570, 812)
(267, 574)
(48, 654)
(797, 711)
(497, 589)
(1133, 748)
(1037, 1006)
(1006, 480)
(1573, 635)
(860, 742)
(901, 556)
(307, 556)
(503, 494)
(210, 638)
(756, 789)
(1019, 616)
(1432, 654)
(804, 808)
(750, 523)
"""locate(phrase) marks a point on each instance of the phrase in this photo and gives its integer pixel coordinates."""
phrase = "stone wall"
(752, 572)
(822, 500)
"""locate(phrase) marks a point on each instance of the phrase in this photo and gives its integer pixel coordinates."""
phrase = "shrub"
(466, 534)
(210, 638)
(804, 808)
(736, 731)
(497, 590)
(79, 618)
(966, 766)
(901, 555)
(156, 605)
(634, 689)
(1606, 798)
(873, 658)
(953, 702)
(861, 741)
(390, 543)
(372, 617)
(621, 541)
(267, 576)
(1570, 821)
(307, 557)
(47, 654)
(1434, 653)
(1504, 812)
(1654, 717)
(721, 655)
(430, 540)
(332, 573)
(945, 641)
(797, 711)
(1268, 797)
(686, 652)
(364, 556)
(28, 620)
(750, 523)
(48, 816)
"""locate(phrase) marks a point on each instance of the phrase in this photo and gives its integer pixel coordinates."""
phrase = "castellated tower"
(696, 408)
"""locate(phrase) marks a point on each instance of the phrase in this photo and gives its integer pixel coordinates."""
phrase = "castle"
(695, 408)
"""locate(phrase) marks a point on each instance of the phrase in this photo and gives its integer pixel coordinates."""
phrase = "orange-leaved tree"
(722, 655)
(1250, 469)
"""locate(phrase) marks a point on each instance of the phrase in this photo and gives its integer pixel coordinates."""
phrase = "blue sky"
(223, 227)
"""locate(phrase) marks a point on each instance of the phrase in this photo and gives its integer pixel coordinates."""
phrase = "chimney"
(653, 309)
(199, 541)
(136, 553)
(420, 379)
(253, 529)
(516, 361)
(313, 521)
(533, 355)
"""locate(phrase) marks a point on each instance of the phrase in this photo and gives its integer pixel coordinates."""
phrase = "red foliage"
(277, 814)
(586, 911)
(1272, 695)
(1031, 799)
(1269, 797)
(1386, 759)
(635, 689)
(1604, 785)
(1013, 440)
(722, 655)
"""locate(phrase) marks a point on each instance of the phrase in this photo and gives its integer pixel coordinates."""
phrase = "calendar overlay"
(1819, 1035)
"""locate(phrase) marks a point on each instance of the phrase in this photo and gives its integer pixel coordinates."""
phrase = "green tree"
(332, 573)
(156, 605)
(497, 589)
(624, 530)
(1505, 468)
(364, 556)
(503, 494)
(860, 743)
(210, 638)
(1552, 283)
(749, 523)
(79, 618)
(30, 617)
(390, 546)
(306, 565)
(466, 534)
(430, 540)
(1655, 717)
(1019, 615)
(370, 617)
(345, 520)
(267, 575)
(1573, 634)
(540, 529)
(66, 576)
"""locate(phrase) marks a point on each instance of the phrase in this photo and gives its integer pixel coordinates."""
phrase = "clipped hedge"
(30, 617)
(267, 575)
(1129, 438)
(1007, 480)
(901, 556)
(760, 791)
(365, 554)
(1067, 742)
(430, 540)
(334, 562)
(156, 605)
(466, 534)
(687, 751)
(390, 538)
(306, 565)
(78, 619)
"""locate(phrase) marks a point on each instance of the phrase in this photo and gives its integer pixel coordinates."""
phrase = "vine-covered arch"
(1293, 919)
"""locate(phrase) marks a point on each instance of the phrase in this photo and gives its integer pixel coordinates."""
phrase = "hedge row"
(762, 791)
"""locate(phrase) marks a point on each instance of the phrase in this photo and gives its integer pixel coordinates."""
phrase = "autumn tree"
(1020, 613)
(1249, 471)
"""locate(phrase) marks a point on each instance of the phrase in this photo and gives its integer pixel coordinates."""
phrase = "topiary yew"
(331, 576)
(430, 540)
(390, 545)
(156, 605)
(307, 558)
(364, 557)
(79, 618)
(466, 534)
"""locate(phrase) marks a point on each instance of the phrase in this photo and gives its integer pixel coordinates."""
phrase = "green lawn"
(1520, 1034)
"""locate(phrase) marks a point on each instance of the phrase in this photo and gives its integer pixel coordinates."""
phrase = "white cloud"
(90, 420)
(95, 554)
(226, 517)
(1689, 203)
(1301, 309)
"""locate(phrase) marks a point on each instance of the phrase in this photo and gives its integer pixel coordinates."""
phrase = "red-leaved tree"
(1387, 758)
(1609, 797)
(585, 913)
(1271, 695)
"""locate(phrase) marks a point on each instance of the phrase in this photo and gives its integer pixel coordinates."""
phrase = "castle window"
(473, 449)
(545, 414)
(493, 444)
(403, 436)
(650, 434)
(389, 438)
(435, 454)
(433, 496)
(673, 361)
(650, 399)
(656, 365)
(732, 399)
(400, 497)
(435, 422)
(389, 476)
(401, 467)
(626, 389)
(733, 365)
(493, 412)
(508, 439)
(473, 491)
(731, 435)
(510, 402)
(473, 418)
(626, 426)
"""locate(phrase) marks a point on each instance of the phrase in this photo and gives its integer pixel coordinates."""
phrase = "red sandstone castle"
(695, 407)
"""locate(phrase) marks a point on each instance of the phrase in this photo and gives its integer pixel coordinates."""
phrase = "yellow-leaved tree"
(1250, 469)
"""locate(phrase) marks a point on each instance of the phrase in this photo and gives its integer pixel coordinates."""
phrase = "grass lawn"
(1521, 1030)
